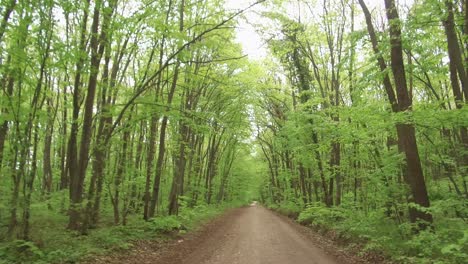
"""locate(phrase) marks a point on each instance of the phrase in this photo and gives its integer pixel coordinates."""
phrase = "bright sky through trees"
(252, 43)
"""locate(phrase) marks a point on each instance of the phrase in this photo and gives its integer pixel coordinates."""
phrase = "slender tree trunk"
(64, 180)
(179, 173)
(149, 166)
(457, 70)
(28, 188)
(302, 178)
(162, 146)
(121, 167)
(16, 178)
(72, 155)
(47, 163)
(97, 47)
(9, 82)
(9, 7)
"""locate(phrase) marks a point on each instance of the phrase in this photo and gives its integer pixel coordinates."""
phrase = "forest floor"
(245, 236)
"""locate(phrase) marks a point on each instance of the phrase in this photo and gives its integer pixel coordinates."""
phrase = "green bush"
(320, 216)
(165, 224)
(288, 208)
(53, 243)
(375, 232)
(20, 251)
(443, 245)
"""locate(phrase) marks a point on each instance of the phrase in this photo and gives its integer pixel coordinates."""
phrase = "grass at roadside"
(52, 243)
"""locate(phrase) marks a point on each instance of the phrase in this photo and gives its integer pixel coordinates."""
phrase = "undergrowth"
(373, 232)
(51, 242)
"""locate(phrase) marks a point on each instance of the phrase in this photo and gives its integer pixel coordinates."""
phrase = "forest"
(121, 120)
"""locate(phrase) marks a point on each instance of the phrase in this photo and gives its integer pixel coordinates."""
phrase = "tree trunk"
(47, 163)
(72, 155)
(162, 146)
(149, 167)
(406, 132)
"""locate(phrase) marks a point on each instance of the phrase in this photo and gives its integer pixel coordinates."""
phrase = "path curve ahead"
(252, 235)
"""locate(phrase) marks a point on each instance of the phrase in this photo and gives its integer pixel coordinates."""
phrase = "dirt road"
(249, 235)
(258, 236)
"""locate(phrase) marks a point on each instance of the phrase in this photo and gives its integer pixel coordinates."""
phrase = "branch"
(146, 84)
(214, 60)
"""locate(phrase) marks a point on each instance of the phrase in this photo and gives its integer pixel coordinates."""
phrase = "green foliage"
(329, 135)
(46, 59)
(165, 224)
(54, 244)
(288, 208)
(290, 131)
(20, 251)
(320, 216)
(375, 232)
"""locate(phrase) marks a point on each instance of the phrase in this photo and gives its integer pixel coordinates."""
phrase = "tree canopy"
(118, 112)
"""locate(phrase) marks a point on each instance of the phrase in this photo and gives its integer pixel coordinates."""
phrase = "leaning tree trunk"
(413, 174)
(406, 132)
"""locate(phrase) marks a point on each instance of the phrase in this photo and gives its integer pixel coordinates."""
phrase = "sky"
(252, 43)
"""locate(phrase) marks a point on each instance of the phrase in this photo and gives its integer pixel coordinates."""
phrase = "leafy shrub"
(21, 251)
(165, 224)
(379, 234)
(320, 216)
(288, 208)
(448, 244)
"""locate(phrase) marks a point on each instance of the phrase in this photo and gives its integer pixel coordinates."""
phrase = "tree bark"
(72, 153)
(412, 172)
(406, 132)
